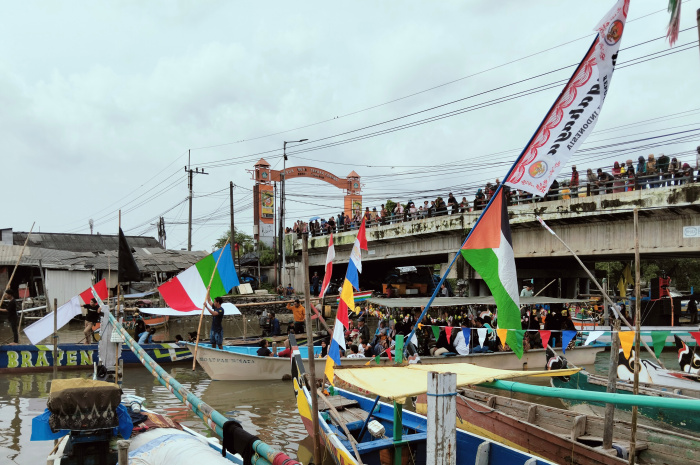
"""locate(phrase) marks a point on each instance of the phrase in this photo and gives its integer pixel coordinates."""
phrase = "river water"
(265, 408)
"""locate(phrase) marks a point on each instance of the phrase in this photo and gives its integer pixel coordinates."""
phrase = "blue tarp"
(41, 431)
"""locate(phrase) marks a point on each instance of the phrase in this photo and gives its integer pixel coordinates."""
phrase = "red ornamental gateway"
(265, 196)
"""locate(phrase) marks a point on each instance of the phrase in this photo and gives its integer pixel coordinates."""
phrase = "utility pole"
(698, 19)
(275, 246)
(283, 198)
(233, 230)
(190, 172)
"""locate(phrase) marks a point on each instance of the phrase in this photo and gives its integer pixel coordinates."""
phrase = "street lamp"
(282, 198)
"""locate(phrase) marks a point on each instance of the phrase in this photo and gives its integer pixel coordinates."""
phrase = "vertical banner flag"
(128, 269)
(188, 290)
(329, 267)
(575, 113)
(489, 250)
(346, 303)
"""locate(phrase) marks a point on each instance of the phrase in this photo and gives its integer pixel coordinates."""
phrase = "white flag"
(43, 328)
(592, 336)
(575, 113)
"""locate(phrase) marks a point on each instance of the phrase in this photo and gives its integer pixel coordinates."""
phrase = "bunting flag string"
(545, 335)
(659, 341)
(566, 337)
(626, 341)
(481, 332)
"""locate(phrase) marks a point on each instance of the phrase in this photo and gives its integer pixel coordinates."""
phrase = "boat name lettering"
(27, 358)
(223, 360)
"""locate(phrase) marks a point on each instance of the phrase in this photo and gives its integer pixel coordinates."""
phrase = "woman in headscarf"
(479, 200)
(631, 178)
(641, 172)
(618, 183)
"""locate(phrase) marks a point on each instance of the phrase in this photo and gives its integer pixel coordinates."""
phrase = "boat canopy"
(418, 302)
(399, 382)
(229, 309)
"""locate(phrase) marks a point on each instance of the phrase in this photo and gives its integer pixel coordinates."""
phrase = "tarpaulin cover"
(399, 382)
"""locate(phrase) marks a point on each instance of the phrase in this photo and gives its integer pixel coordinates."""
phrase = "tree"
(244, 241)
(390, 205)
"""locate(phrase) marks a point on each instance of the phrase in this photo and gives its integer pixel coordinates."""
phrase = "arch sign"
(265, 194)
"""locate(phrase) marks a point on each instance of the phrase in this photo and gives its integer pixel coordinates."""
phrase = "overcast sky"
(102, 100)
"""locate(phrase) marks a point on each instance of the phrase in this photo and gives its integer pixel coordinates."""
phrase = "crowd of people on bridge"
(647, 173)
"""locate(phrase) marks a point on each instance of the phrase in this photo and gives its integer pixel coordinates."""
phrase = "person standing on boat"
(274, 325)
(11, 310)
(216, 334)
(315, 284)
(299, 313)
(147, 336)
(91, 317)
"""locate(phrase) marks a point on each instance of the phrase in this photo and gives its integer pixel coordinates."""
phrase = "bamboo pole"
(204, 306)
(55, 339)
(605, 294)
(637, 335)
(343, 426)
(116, 310)
(21, 252)
(612, 380)
(310, 344)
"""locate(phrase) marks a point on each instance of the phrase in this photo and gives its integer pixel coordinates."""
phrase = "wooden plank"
(579, 428)
(441, 445)
(532, 414)
(482, 453)
(340, 402)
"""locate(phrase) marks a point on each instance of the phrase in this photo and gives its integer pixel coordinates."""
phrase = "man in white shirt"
(355, 352)
(459, 343)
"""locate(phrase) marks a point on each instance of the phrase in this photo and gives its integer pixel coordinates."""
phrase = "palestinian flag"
(489, 250)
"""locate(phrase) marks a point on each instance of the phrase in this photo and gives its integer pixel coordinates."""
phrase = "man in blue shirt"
(274, 325)
(216, 334)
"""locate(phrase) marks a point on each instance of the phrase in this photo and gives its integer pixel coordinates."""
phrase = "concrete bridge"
(597, 228)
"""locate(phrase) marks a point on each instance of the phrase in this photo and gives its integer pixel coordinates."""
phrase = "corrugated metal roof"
(82, 242)
(148, 261)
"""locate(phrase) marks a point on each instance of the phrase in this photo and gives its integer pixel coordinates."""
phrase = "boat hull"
(28, 358)
(676, 418)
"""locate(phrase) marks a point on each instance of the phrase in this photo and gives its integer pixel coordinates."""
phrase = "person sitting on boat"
(264, 351)
(139, 325)
(91, 317)
(287, 352)
(458, 340)
(274, 325)
(366, 348)
(299, 313)
(216, 334)
(147, 336)
(355, 352)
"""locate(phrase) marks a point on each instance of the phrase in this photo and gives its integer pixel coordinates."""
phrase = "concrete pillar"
(443, 267)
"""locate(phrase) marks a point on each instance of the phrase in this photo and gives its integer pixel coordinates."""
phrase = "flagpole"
(498, 190)
(605, 294)
(204, 305)
(116, 309)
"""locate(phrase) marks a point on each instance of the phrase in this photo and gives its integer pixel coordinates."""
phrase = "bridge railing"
(613, 185)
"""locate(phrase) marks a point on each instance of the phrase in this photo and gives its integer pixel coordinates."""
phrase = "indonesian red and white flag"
(575, 113)
(329, 267)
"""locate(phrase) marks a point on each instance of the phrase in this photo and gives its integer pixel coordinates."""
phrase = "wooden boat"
(532, 359)
(589, 382)
(344, 426)
(157, 440)
(26, 358)
(651, 374)
(688, 360)
(564, 435)
(646, 331)
(240, 363)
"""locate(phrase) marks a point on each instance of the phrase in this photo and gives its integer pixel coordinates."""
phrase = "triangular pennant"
(622, 287)
(626, 341)
(696, 336)
(592, 336)
(388, 354)
(545, 335)
(330, 370)
(659, 341)
(376, 359)
(481, 332)
(399, 348)
(519, 335)
(448, 333)
(566, 337)
(502, 335)
(367, 364)
(436, 331)
(467, 333)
